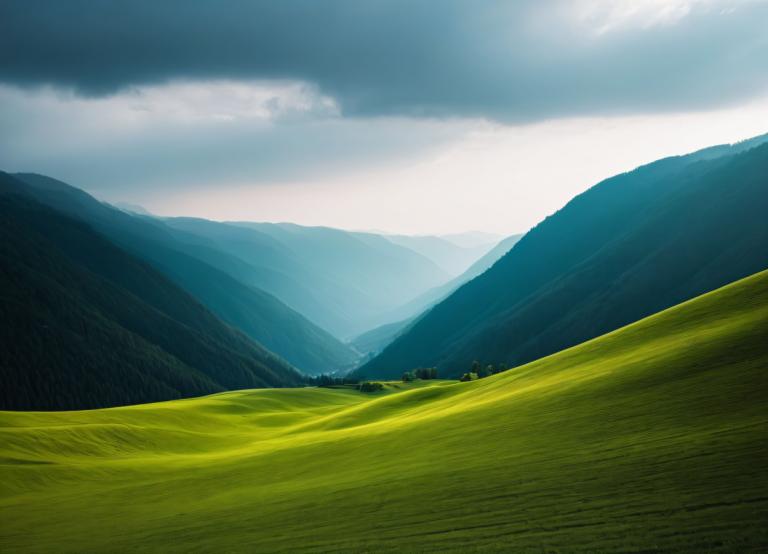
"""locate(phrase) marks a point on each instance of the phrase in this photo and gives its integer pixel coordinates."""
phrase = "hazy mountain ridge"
(449, 256)
(373, 341)
(204, 271)
(93, 326)
(356, 277)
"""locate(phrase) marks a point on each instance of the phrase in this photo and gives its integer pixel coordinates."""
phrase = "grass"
(653, 438)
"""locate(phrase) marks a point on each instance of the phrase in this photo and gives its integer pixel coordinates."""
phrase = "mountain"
(132, 208)
(471, 239)
(207, 273)
(649, 439)
(344, 281)
(630, 246)
(491, 257)
(375, 340)
(451, 257)
(87, 325)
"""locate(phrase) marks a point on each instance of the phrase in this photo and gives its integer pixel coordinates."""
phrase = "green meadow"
(653, 438)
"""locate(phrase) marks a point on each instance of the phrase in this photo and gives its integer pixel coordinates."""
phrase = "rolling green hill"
(630, 246)
(648, 439)
(85, 324)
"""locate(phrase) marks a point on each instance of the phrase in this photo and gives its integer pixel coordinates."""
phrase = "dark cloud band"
(512, 61)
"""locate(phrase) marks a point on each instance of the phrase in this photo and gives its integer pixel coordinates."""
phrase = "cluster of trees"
(420, 373)
(331, 381)
(477, 371)
(370, 386)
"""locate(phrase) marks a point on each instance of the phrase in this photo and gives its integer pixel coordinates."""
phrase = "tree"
(489, 370)
(475, 367)
(425, 373)
(408, 377)
(469, 377)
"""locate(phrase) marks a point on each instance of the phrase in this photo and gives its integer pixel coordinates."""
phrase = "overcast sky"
(410, 116)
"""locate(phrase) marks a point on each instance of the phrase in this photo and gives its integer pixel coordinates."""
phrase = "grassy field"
(653, 438)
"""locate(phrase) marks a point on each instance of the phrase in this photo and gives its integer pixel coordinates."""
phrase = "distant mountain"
(344, 281)
(631, 246)
(88, 325)
(471, 239)
(452, 258)
(375, 340)
(131, 208)
(206, 272)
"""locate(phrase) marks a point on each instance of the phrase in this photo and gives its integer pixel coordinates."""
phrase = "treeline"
(420, 373)
(330, 381)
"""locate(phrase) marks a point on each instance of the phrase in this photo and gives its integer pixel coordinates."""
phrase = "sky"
(407, 116)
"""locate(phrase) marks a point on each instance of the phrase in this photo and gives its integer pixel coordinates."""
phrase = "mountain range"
(345, 282)
(630, 246)
(89, 325)
(250, 300)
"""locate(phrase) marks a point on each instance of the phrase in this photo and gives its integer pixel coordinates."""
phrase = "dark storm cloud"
(512, 61)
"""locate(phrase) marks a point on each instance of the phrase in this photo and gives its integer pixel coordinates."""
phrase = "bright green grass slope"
(652, 438)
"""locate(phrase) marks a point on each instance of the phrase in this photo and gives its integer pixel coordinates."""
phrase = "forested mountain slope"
(632, 245)
(88, 325)
(203, 270)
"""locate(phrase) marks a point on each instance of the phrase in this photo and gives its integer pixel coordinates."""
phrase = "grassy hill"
(648, 439)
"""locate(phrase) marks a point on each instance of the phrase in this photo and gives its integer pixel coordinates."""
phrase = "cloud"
(192, 135)
(510, 61)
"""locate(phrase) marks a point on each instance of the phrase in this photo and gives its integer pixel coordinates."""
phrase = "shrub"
(370, 386)
(469, 377)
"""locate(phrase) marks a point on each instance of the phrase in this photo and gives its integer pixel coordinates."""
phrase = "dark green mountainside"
(203, 270)
(87, 325)
(631, 246)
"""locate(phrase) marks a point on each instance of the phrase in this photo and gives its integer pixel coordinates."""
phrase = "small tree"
(488, 371)
(469, 376)
(408, 377)
(475, 368)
